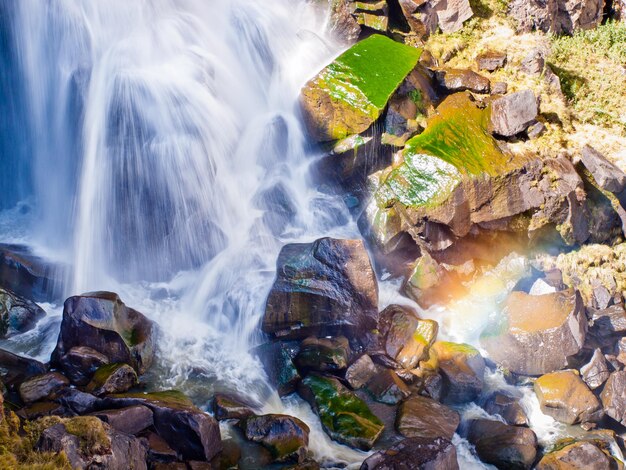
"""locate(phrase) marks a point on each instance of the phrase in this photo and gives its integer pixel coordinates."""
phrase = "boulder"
(463, 370)
(596, 371)
(344, 416)
(323, 354)
(417, 453)
(507, 407)
(101, 321)
(361, 371)
(386, 387)
(129, 420)
(608, 322)
(423, 417)
(535, 334)
(322, 288)
(371, 14)
(491, 60)
(80, 363)
(17, 314)
(613, 397)
(534, 62)
(513, 113)
(579, 455)
(510, 447)
(226, 407)
(556, 16)
(608, 175)
(343, 25)
(277, 359)
(286, 437)
(455, 80)
(349, 95)
(499, 88)
(112, 378)
(424, 16)
(16, 369)
(77, 401)
(45, 386)
(564, 396)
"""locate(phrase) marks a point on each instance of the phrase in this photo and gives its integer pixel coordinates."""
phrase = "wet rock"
(17, 314)
(40, 387)
(286, 437)
(80, 363)
(277, 359)
(386, 387)
(343, 25)
(361, 371)
(332, 116)
(226, 407)
(613, 397)
(556, 16)
(502, 445)
(454, 80)
(537, 333)
(40, 409)
(372, 14)
(16, 369)
(423, 417)
(508, 407)
(499, 88)
(193, 434)
(322, 288)
(596, 371)
(129, 420)
(579, 455)
(323, 354)
(608, 175)
(564, 396)
(491, 60)
(77, 401)
(416, 453)
(344, 416)
(426, 282)
(513, 113)
(101, 321)
(112, 378)
(462, 368)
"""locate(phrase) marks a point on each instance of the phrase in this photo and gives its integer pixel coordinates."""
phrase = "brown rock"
(608, 175)
(499, 88)
(80, 363)
(613, 397)
(286, 437)
(112, 378)
(534, 62)
(129, 420)
(423, 417)
(226, 407)
(596, 371)
(361, 371)
(343, 25)
(513, 113)
(454, 80)
(502, 445)
(579, 455)
(386, 387)
(323, 354)
(16, 369)
(507, 407)
(43, 386)
(556, 16)
(416, 453)
(462, 368)
(491, 60)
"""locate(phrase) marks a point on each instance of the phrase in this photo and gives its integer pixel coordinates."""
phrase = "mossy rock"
(348, 95)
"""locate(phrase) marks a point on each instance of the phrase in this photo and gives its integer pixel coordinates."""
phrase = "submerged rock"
(535, 334)
(322, 288)
(286, 437)
(416, 453)
(344, 416)
(17, 314)
(350, 94)
(423, 417)
(510, 447)
(101, 321)
(463, 370)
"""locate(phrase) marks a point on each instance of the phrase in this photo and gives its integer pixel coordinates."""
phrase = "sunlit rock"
(513, 113)
(596, 371)
(556, 16)
(424, 16)
(502, 445)
(613, 397)
(417, 453)
(577, 455)
(423, 417)
(463, 370)
(535, 334)
(454, 80)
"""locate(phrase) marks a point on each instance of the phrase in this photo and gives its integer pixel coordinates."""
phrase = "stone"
(613, 397)
(158, 449)
(77, 401)
(45, 386)
(112, 378)
(277, 359)
(607, 322)
(101, 321)
(462, 369)
(226, 407)
(371, 14)
(579, 455)
(129, 420)
(491, 60)
(349, 95)
(536, 130)
(608, 175)
(417, 453)
(502, 445)
(343, 25)
(499, 88)
(322, 288)
(556, 16)
(455, 80)
(323, 354)
(361, 371)
(286, 437)
(386, 387)
(507, 407)
(534, 62)
(423, 17)
(564, 396)
(424, 417)
(16, 369)
(596, 371)
(17, 314)
(535, 334)
(345, 417)
(80, 363)
(513, 113)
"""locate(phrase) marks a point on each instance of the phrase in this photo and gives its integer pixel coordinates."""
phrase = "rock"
(416, 453)
(386, 387)
(423, 17)
(78, 402)
(186, 429)
(535, 130)
(129, 420)
(502, 445)
(89, 443)
(343, 25)
(324, 354)
(286, 437)
(427, 282)
(40, 387)
(41, 409)
(508, 407)
(17, 314)
(536, 334)
(332, 116)
(608, 175)
(454, 80)
(491, 60)
(462, 368)
(556, 16)
(226, 407)
(564, 396)
(579, 455)
(372, 14)
(112, 378)
(499, 88)
(423, 417)
(277, 359)
(361, 371)
(322, 288)
(159, 450)
(534, 63)
(80, 363)
(513, 113)
(344, 416)
(16, 369)
(101, 321)
(613, 397)
(596, 371)
(608, 322)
